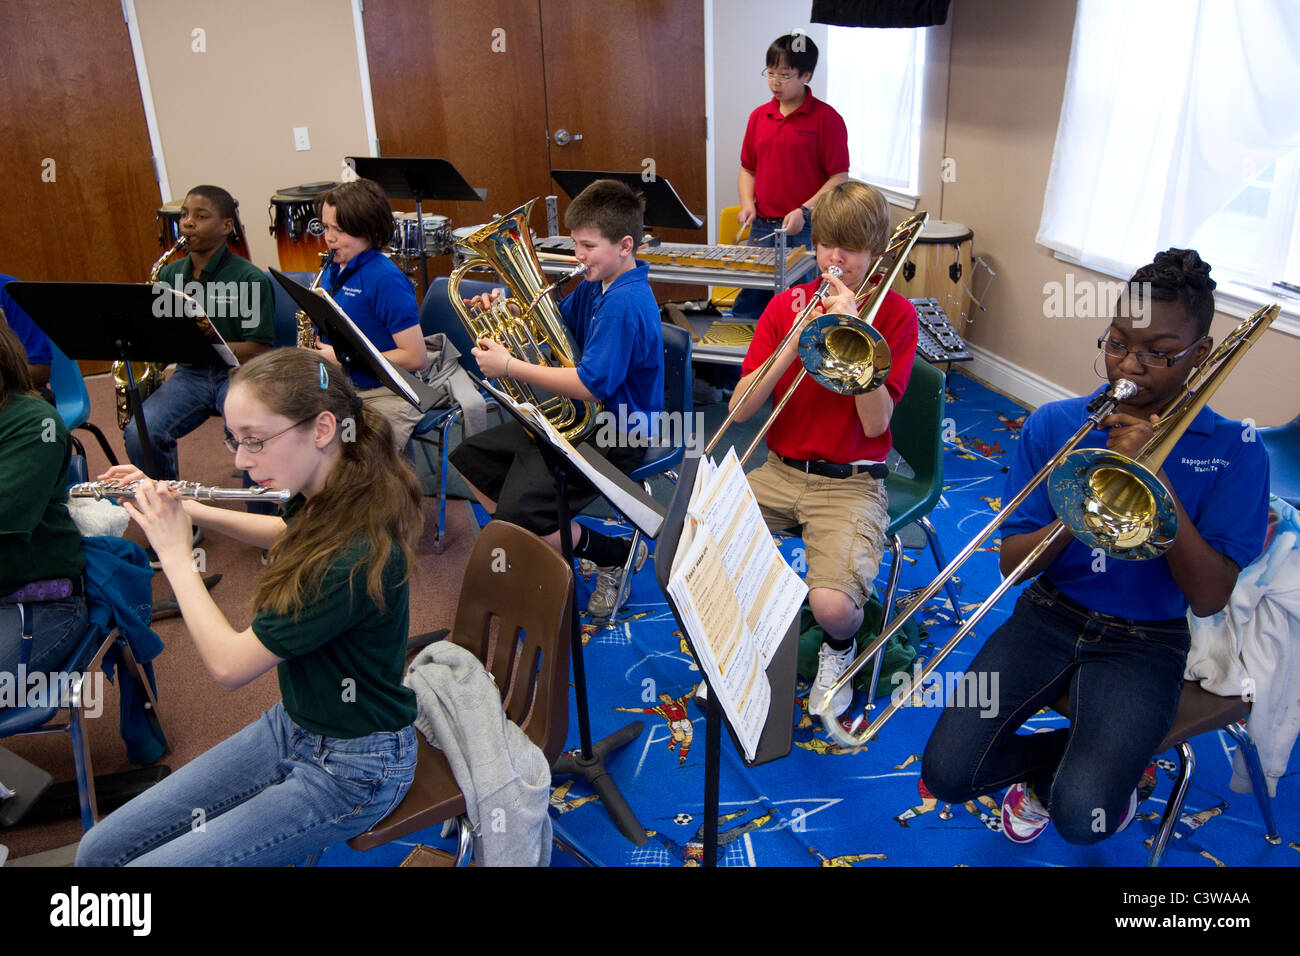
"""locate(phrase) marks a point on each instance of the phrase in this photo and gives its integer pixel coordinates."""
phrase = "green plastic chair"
(917, 431)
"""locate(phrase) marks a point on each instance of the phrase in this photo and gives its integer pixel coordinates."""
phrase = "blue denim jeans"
(1125, 679)
(57, 627)
(271, 795)
(184, 402)
(751, 302)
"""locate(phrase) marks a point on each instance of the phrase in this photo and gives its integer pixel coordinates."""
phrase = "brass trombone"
(1105, 499)
(841, 352)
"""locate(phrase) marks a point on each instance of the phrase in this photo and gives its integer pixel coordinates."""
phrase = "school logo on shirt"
(1204, 464)
(349, 290)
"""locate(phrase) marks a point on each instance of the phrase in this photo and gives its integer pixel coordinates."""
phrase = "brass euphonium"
(148, 375)
(307, 331)
(538, 333)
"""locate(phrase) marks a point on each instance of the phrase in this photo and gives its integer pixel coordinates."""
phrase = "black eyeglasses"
(255, 445)
(1149, 359)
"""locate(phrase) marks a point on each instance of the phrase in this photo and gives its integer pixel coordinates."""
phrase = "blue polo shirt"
(617, 330)
(377, 297)
(36, 342)
(1218, 470)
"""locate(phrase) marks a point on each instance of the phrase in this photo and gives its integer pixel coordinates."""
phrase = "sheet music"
(642, 513)
(395, 381)
(723, 641)
(735, 593)
(765, 585)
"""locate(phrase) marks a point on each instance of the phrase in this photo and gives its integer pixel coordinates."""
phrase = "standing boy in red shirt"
(796, 148)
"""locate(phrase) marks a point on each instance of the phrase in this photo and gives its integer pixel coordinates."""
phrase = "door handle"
(563, 137)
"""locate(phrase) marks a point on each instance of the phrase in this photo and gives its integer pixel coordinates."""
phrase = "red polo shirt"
(818, 424)
(792, 156)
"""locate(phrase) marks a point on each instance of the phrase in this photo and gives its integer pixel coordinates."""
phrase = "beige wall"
(1008, 67)
(226, 116)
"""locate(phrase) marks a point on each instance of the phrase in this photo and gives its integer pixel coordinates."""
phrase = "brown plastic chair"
(514, 616)
(1200, 712)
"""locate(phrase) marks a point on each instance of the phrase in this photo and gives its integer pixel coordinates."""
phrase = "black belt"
(830, 469)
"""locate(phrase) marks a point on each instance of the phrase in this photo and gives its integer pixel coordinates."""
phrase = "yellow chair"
(721, 297)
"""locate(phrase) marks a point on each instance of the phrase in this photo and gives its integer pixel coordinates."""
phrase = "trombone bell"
(845, 354)
(1111, 502)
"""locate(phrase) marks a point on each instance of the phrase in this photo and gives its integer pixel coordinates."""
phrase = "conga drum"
(940, 268)
(296, 225)
(169, 228)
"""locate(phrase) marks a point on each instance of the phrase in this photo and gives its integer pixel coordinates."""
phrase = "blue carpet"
(865, 807)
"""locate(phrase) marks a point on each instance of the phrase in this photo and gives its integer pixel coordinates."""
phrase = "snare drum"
(408, 238)
(459, 255)
(296, 225)
(940, 268)
(169, 228)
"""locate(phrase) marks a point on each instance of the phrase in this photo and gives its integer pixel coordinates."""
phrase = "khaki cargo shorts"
(843, 522)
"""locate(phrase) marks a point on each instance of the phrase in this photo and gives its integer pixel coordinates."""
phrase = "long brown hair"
(371, 490)
(14, 374)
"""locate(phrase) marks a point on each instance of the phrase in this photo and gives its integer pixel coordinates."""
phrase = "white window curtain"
(874, 81)
(1171, 109)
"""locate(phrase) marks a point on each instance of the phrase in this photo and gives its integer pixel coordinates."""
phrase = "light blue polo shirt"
(1218, 470)
(377, 297)
(618, 332)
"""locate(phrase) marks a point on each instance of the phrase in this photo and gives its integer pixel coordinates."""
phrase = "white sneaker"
(830, 665)
(601, 603)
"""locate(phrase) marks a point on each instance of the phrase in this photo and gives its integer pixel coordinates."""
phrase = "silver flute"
(113, 491)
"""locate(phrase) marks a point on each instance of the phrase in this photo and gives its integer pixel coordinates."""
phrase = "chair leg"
(891, 589)
(942, 561)
(464, 841)
(103, 442)
(1174, 808)
(128, 660)
(85, 771)
(1257, 782)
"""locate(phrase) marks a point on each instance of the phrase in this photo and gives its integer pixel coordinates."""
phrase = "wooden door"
(80, 192)
(628, 75)
(461, 80)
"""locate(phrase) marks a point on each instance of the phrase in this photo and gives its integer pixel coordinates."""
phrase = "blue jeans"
(750, 303)
(271, 795)
(57, 627)
(1125, 679)
(184, 402)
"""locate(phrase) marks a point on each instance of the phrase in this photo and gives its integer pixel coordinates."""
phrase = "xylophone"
(689, 254)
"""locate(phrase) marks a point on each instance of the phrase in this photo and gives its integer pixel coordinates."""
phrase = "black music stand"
(355, 352)
(663, 207)
(127, 322)
(589, 763)
(778, 732)
(418, 178)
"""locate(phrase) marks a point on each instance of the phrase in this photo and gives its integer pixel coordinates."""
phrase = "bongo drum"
(169, 228)
(296, 225)
(940, 268)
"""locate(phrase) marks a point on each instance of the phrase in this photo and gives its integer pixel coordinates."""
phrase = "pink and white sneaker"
(1024, 818)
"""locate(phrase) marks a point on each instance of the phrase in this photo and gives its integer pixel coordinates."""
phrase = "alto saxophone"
(307, 331)
(148, 375)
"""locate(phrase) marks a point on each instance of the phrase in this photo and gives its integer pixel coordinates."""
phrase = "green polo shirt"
(37, 537)
(344, 658)
(237, 295)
